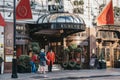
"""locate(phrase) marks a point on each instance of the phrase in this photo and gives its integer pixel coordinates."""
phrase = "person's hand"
(48, 60)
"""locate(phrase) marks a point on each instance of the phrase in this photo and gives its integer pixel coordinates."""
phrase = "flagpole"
(14, 60)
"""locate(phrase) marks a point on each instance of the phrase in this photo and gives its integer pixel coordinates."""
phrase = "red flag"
(23, 10)
(2, 22)
(106, 17)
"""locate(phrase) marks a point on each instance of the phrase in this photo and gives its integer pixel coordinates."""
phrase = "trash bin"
(102, 64)
(118, 64)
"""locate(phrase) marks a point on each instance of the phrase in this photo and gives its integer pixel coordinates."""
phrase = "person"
(32, 62)
(30, 53)
(51, 58)
(42, 58)
(93, 61)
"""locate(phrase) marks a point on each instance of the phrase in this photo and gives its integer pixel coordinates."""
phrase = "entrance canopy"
(62, 21)
(58, 25)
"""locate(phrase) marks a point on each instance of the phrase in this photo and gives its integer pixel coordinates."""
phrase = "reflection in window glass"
(108, 54)
(102, 53)
(115, 54)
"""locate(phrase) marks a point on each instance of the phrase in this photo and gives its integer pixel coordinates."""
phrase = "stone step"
(56, 67)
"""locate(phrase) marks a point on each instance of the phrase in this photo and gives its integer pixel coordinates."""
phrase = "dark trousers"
(50, 67)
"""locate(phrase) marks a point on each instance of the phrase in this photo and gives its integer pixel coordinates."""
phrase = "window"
(115, 35)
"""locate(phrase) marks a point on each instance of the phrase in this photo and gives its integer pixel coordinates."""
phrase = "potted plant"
(78, 54)
(65, 65)
(72, 47)
(24, 64)
(72, 64)
(34, 46)
(66, 55)
(77, 66)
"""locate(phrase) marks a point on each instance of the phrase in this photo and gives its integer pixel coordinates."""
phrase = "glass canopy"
(60, 18)
(57, 25)
(62, 21)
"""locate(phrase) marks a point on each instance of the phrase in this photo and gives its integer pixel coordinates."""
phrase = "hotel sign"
(67, 26)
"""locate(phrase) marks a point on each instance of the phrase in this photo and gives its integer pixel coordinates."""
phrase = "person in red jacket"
(51, 58)
(32, 62)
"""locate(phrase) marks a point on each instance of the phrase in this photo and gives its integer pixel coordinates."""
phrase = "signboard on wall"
(8, 42)
(55, 6)
(8, 58)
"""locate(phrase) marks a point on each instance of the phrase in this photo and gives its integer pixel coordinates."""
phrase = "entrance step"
(56, 67)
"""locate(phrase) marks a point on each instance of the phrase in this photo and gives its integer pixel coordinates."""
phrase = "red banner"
(2, 22)
(106, 17)
(23, 10)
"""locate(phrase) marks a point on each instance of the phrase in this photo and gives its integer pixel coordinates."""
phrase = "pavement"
(91, 74)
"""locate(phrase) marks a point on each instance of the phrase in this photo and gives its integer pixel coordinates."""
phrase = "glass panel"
(115, 35)
(102, 53)
(52, 18)
(69, 19)
(61, 19)
(115, 54)
(108, 54)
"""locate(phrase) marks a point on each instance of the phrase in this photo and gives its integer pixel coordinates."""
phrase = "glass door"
(108, 57)
(116, 56)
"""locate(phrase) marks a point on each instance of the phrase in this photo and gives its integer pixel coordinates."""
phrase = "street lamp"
(14, 60)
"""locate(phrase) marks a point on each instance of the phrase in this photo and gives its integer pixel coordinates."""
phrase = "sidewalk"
(101, 74)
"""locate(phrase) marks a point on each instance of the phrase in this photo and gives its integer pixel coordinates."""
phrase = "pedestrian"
(51, 58)
(32, 62)
(43, 59)
(93, 61)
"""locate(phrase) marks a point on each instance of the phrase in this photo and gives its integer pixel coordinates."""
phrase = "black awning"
(58, 25)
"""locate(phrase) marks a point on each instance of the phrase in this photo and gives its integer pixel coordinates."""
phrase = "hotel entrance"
(107, 56)
(111, 56)
(50, 30)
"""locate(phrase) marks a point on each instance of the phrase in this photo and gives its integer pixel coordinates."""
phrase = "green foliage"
(35, 47)
(72, 47)
(72, 64)
(24, 64)
(77, 66)
(78, 50)
(24, 59)
(66, 50)
(65, 65)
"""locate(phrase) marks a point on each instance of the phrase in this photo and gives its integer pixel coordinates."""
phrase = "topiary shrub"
(78, 50)
(23, 65)
(77, 66)
(71, 64)
(72, 47)
(65, 65)
(34, 46)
